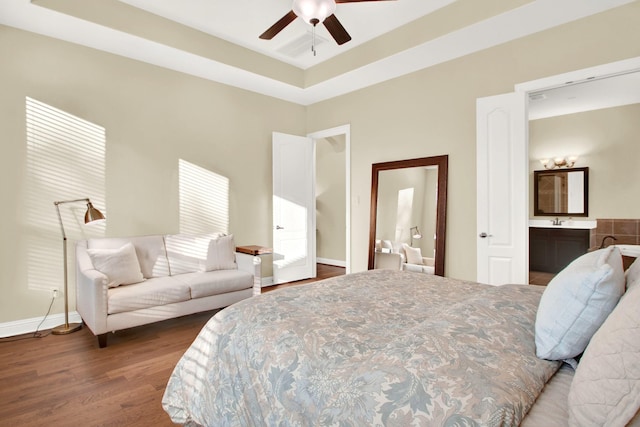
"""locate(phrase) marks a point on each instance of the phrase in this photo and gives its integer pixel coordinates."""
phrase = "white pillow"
(221, 254)
(576, 302)
(119, 265)
(414, 255)
(606, 387)
(632, 275)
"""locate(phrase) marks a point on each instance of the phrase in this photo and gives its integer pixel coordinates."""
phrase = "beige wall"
(432, 112)
(331, 198)
(153, 117)
(608, 142)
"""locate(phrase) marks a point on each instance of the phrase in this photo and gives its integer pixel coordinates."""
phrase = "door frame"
(326, 133)
(570, 78)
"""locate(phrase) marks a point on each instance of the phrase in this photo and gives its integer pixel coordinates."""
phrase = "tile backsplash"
(626, 232)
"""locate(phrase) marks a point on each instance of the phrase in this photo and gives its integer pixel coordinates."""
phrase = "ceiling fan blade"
(278, 26)
(336, 30)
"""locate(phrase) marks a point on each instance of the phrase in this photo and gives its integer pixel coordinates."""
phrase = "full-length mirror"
(561, 192)
(408, 214)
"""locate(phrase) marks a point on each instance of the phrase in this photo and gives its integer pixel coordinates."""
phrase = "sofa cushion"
(119, 265)
(419, 268)
(149, 250)
(151, 293)
(221, 254)
(204, 284)
(188, 253)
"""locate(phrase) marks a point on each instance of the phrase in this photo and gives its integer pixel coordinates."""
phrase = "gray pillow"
(576, 302)
(606, 386)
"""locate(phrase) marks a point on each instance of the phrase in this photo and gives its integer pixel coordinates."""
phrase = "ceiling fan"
(314, 12)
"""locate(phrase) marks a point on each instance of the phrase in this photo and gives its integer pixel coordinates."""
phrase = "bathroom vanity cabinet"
(552, 249)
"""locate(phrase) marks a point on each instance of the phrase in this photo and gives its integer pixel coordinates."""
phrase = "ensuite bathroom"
(584, 142)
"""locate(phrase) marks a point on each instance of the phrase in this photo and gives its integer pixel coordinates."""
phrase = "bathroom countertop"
(566, 223)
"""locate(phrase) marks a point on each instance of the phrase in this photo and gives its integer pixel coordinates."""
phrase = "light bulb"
(313, 9)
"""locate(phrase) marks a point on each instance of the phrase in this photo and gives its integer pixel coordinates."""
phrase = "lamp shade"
(92, 214)
(310, 10)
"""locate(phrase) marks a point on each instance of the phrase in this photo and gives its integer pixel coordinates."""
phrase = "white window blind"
(65, 161)
(204, 200)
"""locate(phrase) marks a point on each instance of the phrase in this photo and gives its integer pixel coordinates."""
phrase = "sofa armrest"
(91, 293)
(252, 265)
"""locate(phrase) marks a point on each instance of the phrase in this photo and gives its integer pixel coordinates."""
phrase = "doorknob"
(279, 228)
(484, 235)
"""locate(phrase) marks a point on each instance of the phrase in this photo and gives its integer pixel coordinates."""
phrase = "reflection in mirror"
(408, 210)
(561, 192)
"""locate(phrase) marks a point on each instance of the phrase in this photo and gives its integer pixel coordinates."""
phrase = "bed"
(382, 347)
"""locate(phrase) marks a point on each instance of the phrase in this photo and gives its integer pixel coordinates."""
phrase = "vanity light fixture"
(559, 162)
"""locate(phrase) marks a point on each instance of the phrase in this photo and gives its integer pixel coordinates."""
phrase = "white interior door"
(503, 190)
(293, 208)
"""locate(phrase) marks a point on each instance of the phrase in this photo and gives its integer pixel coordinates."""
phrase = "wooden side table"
(254, 250)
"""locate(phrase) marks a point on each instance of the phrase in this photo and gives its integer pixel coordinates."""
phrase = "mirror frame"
(536, 208)
(442, 162)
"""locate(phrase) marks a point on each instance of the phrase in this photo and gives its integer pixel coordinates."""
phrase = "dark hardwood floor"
(66, 380)
(323, 271)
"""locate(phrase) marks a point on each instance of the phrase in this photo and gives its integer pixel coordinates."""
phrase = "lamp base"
(66, 329)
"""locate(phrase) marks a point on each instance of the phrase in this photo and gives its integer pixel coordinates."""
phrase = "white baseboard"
(25, 326)
(334, 262)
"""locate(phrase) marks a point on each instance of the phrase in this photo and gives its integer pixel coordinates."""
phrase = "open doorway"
(590, 125)
(333, 212)
(519, 143)
(295, 215)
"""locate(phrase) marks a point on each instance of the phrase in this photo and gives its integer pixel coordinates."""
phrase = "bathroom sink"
(575, 224)
(629, 250)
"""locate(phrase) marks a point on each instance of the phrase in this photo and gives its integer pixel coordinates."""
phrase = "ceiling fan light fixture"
(310, 10)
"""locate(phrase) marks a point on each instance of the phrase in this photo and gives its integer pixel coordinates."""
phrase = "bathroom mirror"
(409, 205)
(561, 192)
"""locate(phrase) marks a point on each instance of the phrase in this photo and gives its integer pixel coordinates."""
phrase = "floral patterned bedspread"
(378, 348)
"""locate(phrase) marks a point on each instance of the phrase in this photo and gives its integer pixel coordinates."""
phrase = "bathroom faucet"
(556, 222)
(605, 238)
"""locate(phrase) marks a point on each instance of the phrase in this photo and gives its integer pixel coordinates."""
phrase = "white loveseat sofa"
(127, 282)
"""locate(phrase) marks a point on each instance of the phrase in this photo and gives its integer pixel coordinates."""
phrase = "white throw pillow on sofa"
(121, 265)
(576, 302)
(187, 253)
(221, 254)
(414, 255)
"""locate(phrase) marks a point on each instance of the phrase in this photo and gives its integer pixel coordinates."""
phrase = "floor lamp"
(415, 234)
(91, 215)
